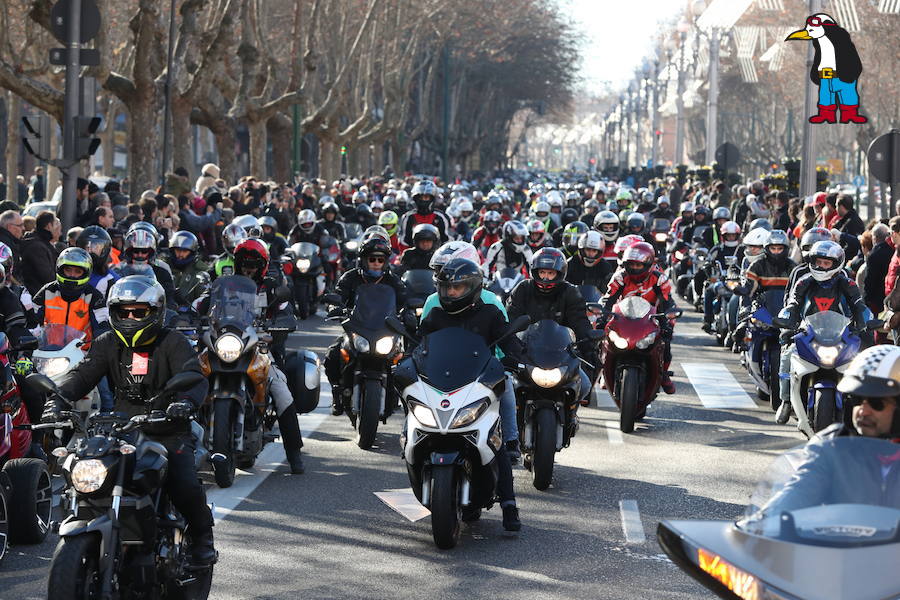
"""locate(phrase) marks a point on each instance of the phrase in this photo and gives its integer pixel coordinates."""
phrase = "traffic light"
(343, 150)
(37, 138)
(593, 161)
(85, 142)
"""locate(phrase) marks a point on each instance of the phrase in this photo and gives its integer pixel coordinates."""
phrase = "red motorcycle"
(632, 358)
(26, 495)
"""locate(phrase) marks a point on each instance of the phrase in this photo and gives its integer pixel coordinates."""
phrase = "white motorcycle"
(60, 348)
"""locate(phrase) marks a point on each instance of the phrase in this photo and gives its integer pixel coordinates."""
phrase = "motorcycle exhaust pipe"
(465, 492)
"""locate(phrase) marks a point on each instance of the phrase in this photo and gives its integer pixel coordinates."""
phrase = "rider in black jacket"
(138, 357)
(425, 239)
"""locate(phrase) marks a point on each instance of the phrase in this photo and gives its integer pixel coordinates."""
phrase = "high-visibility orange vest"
(76, 314)
(114, 256)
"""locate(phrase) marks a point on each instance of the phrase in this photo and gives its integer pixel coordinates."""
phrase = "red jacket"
(892, 274)
(655, 288)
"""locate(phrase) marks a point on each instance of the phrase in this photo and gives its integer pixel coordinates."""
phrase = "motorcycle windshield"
(827, 326)
(451, 358)
(546, 343)
(660, 225)
(835, 492)
(419, 282)
(373, 303)
(353, 230)
(56, 336)
(305, 250)
(633, 307)
(590, 293)
(507, 273)
(232, 301)
(699, 232)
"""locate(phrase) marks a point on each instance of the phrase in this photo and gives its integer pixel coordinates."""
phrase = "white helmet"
(306, 220)
(607, 218)
(515, 229)
(465, 206)
(451, 250)
(591, 239)
(830, 251)
(757, 239)
(687, 207)
(542, 207)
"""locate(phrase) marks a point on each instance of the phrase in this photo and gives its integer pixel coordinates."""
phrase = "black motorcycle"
(367, 353)
(547, 396)
(123, 538)
(305, 267)
(419, 285)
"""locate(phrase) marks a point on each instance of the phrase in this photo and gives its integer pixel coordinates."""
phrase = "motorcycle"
(680, 269)
(26, 495)
(123, 538)
(451, 388)
(724, 291)
(762, 358)
(331, 257)
(591, 295)
(350, 246)
(419, 285)
(59, 351)
(790, 531)
(239, 413)
(633, 359)
(504, 281)
(547, 396)
(659, 231)
(305, 262)
(367, 353)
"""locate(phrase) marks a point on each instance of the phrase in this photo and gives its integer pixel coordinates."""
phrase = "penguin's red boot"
(849, 114)
(827, 114)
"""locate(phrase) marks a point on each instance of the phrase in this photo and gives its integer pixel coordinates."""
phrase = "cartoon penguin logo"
(836, 69)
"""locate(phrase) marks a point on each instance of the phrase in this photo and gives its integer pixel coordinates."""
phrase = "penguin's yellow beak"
(799, 35)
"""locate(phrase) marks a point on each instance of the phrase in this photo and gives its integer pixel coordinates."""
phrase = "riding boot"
(203, 553)
(827, 114)
(290, 437)
(337, 400)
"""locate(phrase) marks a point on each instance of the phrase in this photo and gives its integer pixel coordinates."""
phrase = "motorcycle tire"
(544, 448)
(246, 462)
(824, 409)
(31, 502)
(369, 414)
(774, 378)
(223, 443)
(446, 513)
(75, 568)
(4, 523)
(629, 394)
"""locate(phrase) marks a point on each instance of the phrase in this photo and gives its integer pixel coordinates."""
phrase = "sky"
(617, 35)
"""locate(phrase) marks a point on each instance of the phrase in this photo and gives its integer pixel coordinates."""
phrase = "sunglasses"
(376, 259)
(817, 22)
(141, 251)
(876, 404)
(137, 313)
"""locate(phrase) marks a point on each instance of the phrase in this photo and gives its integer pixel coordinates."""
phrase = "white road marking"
(716, 386)
(613, 432)
(631, 522)
(603, 398)
(404, 502)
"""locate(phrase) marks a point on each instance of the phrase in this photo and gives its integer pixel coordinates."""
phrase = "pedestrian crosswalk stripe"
(404, 501)
(631, 522)
(716, 386)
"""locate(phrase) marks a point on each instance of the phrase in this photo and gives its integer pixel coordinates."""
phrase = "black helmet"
(374, 246)
(568, 215)
(548, 258)
(777, 238)
(425, 231)
(136, 328)
(875, 373)
(702, 210)
(184, 240)
(98, 243)
(459, 271)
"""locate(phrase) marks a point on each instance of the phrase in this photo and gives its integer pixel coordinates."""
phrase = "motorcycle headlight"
(617, 340)
(645, 341)
(303, 265)
(360, 343)
(419, 312)
(384, 345)
(423, 414)
(51, 367)
(88, 475)
(661, 237)
(469, 414)
(546, 378)
(352, 246)
(827, 354)
(732, 284)
(229, 347)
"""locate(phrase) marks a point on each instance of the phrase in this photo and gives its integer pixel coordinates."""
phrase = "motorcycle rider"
(424, 194)
(587, 266)
(276, 242)
(459, 285)
(731, 240)
(569, 216)
(232, 235)
(330, 223)
(425, 239)
(97, 242)
(537, 235)
(607, 223)
(638, 275)
(190, 274)
(372, 269)
(139, 251)
(591, 208)
(307, 229)
(663, 210)
(683, 221)
(511, 251)
(138, 357)
(462, 224)
(70, 300)
(489, 233)
(701, 223)
(816, 234)
(572, 233)
(389, 220)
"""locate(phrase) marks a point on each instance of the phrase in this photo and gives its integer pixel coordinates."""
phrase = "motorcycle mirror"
(28, 343)
(415, 303)
(332, 299)
(184, 381)
(780, 323)
(521, 323)
(874, 324)
(394, 324)
(42, 383)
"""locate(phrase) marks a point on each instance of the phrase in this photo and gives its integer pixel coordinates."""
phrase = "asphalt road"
(326, 534)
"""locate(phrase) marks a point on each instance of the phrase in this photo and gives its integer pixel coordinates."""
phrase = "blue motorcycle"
(763, 354)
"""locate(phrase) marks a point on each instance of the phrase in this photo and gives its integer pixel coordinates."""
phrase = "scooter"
(836, 539)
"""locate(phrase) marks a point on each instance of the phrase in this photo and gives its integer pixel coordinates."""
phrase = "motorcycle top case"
(302, 372)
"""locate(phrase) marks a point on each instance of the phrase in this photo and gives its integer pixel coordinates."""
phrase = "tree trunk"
(108, 138)
(143, 146)
(328, 170)
(226, 140)
(182, 134)
(52, 174)
(13, 108)
(281, 135)
(258, 141)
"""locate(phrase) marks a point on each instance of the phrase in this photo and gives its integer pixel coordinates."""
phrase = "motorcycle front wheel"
(544, 448)
(774, 377)
(824, 409)
(75, 569)
(223, 443)
(4, 523)
(369, 414)
(446, 513)
(629, 394)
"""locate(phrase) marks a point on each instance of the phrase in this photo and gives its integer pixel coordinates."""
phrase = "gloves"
(180, 410)
(24, 366)
(51, 413)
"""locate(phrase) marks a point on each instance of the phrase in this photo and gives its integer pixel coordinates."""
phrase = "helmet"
(451, 250)
(424, 194)
(492, 220)
(144, 226)
(136, 289)
(513, 230)
(465, 207)
(625, 242)
(816, 234)
(572, 233)
(376, 231)
(186, 241)
(875, 373)
(365, 213)
(233, 235)
(830, 251)
(568, 215)
(635, 223)
(687, 207)
(755, 240)
(761, 224)
(306, 221)
(607, 223)
(250, 224)
(542, 209)
(389, 220)
(375, 245)
(98, 244)
(662, 201)
(268, 221)
(6, 262)
(573, 198)
(554, 201)
(139, 239)
(459, 272)
(591, 206)
(548, 258)
(360, 197)
(537, 232)
(253, 254)
(591, 240)
(493, 198)
(702, 210)
(330, 207)
(425, 231)
(732, 230)
(721, 212)
(638, 260)
(325, 200)
(623, 196)
(73, 257)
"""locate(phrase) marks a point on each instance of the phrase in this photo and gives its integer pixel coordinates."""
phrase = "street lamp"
(682, 28)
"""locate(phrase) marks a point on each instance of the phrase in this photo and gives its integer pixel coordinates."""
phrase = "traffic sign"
(728, 155)
(883, 157)
(37, 137)
(859, 181)
(90, 20)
